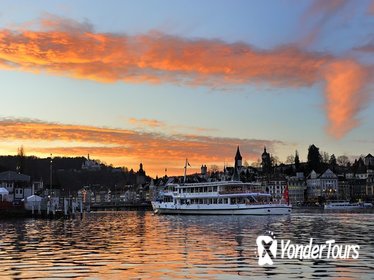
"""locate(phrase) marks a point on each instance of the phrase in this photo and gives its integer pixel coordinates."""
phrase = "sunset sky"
(158, 81)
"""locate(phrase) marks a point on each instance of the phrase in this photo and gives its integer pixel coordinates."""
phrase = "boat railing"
(239, 191)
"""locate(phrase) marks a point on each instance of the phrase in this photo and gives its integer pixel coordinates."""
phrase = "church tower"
(266, 162)
(238, 159)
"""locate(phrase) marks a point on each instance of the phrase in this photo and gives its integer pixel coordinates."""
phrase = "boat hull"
(281, 209)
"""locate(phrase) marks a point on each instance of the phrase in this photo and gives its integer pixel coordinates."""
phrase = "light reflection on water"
(138, 245)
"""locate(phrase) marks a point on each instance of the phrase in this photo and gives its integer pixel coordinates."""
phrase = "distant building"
(140, 175)
(276, 186)
(90, 165)
(238, 159)
(323, 186)
(204, 172)
(370, 186)
(237, 165)
(18, 185)
(344, 191)
(358, 188)
(266, 162)
(297, 188)
(369, 160)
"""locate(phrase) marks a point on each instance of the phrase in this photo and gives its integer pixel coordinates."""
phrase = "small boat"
(346, 205)
(218, 198)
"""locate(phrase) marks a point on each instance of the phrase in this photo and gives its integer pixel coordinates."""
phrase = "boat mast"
(185, 171)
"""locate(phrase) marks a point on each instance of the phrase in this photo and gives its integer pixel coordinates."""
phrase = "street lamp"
(50, 178)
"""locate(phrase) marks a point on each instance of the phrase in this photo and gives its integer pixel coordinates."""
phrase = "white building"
(18, 185)
(90, 165)
(323, 185)
(276, 187)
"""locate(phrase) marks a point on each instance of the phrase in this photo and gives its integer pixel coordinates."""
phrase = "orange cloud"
(67, 48)
(155, 149)
(371, 8)
(152, 123)
(146, 122)
(345, 95)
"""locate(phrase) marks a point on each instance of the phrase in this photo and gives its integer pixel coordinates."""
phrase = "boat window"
(215, 188)
(215, 201)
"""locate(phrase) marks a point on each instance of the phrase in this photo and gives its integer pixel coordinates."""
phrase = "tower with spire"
(238, 159)
(238, 165)
(266, 161)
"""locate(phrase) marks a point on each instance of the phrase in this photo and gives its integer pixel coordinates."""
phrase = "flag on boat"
(285, 195)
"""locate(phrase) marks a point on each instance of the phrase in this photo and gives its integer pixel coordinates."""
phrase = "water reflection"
(139, 245)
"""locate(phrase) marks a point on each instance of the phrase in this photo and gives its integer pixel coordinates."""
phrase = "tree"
(256, 164)
(21, 160)
(274, 160)
(325, 157)
(314, 158)
(297, 161)
(213, 169)
(290, 159)
(332, 162)
(343, 160)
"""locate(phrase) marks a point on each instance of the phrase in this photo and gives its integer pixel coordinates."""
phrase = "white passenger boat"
(346, 205)
(216, 198)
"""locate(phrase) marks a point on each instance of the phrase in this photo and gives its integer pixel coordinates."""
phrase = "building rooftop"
(14, 176)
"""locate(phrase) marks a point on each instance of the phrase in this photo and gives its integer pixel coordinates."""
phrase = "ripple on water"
(133, 245)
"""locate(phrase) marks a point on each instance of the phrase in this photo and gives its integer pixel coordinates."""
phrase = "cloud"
(132, 146)
(146, 122)
(73, 49)
(152, 123)
(368, 48)
(345, 95)
(320, 12)
(371, 8)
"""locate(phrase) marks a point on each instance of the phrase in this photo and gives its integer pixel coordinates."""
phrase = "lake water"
(140, 245)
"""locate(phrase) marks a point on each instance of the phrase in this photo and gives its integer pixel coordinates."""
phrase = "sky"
(161, 81)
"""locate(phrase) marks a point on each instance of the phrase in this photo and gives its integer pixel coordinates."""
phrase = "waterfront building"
(369, 192)
(18, 185)
(322, 186)
(344, 191)
(297, 188)
(357, 188)
(276, 185)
